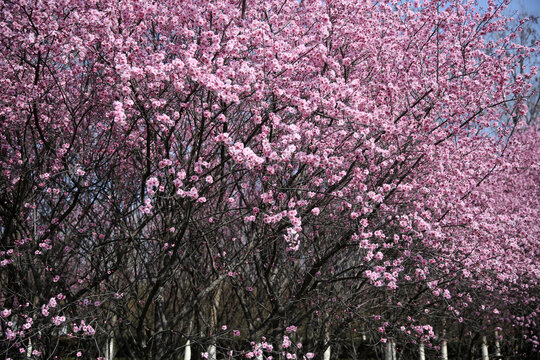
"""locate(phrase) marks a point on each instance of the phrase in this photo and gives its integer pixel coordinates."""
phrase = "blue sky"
(531, 6)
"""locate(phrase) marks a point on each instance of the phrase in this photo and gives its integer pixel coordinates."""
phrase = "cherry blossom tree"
(262, 178)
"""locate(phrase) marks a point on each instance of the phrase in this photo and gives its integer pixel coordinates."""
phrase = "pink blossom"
(286, 342)
(57, 320)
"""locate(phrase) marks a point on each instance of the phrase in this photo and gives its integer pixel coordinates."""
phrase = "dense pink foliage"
(170, 167)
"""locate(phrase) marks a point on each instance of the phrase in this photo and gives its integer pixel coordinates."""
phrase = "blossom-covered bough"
(263, 178)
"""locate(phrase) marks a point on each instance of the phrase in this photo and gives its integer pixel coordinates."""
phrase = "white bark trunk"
(497, 344)
(444, 350)
(187, 351)
(212, 352)
(213, 323)
(327, 353)
(422, 352)
(485, 351)
(29, 349)
(260, 356)
(390, 350)
(110, 349)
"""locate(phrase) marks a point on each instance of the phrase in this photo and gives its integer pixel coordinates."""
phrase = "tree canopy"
(273, 171)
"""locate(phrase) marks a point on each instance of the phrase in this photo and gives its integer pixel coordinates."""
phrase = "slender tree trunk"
(364, 337)
(110, 348)
(354, 354)
(213, 323)
(212, 352)
(485, 351)
(387, 351)
(187, 348)
(328, 351)
(460, 342)
(421, 351)
(444, 351)
(110, 343)
(444, 347)
(187, 351)
(29, 349)
(390, 350)
(497, 345)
